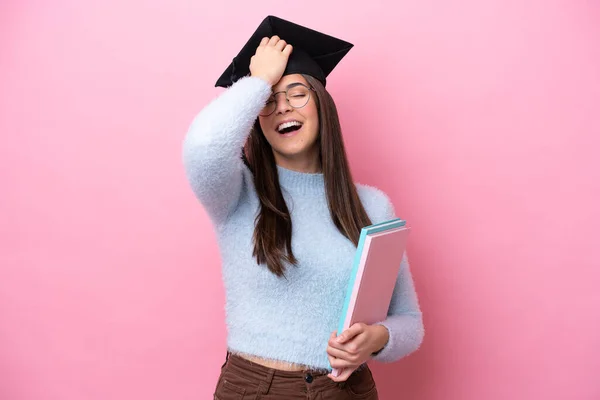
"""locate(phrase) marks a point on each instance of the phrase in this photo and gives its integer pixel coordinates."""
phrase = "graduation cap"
(314, 53)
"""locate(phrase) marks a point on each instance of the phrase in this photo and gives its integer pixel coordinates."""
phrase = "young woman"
(288, 217)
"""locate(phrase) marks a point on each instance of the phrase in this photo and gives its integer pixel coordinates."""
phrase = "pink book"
(374, 274)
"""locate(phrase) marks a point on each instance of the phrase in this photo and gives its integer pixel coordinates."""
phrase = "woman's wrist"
(381, 338)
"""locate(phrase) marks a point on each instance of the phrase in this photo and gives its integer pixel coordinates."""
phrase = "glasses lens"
(268, 108)
(298, 96)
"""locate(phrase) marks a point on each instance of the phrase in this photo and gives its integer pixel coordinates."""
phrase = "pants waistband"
(293, 380)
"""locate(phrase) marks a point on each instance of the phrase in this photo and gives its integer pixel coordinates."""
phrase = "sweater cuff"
(405, 336)
(378, 352)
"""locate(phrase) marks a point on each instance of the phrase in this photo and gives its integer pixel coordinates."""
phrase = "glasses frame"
(289, 87)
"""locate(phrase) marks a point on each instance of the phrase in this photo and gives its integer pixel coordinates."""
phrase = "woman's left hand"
(354, 347)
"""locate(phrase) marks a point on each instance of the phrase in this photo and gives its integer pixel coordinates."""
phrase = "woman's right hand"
(270, 59)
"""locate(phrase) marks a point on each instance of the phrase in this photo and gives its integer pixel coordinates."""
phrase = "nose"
(282, 104)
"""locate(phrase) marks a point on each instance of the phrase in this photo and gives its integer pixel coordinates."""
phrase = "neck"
(310, 165)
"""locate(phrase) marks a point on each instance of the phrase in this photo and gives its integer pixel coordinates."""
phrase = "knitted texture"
(288, 319)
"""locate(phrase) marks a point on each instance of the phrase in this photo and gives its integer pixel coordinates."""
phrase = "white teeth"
(287, 125)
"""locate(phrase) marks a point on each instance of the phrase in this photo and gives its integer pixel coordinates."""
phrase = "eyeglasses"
(297, 95)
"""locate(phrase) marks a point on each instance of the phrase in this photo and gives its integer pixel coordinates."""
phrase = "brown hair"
(273, 225)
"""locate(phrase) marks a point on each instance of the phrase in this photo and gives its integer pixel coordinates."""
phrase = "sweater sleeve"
(212, 146)
(404, 321)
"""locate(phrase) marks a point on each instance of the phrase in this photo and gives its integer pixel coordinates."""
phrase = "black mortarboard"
(314, 53)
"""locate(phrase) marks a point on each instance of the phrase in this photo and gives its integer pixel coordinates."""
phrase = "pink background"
(480, 119)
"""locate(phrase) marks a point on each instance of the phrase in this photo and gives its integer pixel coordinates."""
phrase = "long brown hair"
(273, 225)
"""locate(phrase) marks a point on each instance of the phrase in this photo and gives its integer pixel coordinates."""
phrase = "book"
(374, 273)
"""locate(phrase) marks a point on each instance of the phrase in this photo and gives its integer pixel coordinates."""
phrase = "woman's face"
(293, 132)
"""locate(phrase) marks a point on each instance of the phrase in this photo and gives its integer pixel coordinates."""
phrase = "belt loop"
(226, 359)
(265, 384)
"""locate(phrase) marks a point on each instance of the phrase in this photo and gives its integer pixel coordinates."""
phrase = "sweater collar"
(301, 182)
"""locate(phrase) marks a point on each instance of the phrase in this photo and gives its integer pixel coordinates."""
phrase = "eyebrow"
(288, 86)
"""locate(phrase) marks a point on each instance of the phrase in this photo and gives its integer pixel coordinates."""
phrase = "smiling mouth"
(288, 127)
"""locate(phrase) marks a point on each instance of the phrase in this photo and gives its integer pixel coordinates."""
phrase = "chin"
(290, 154)
(293, 152)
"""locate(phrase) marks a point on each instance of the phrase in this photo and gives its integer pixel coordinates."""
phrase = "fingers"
(333, 343)
(343, 355)
(351, 346)
(273, 41)
(280, 45)
(337, 353)
(343, 361)
(349, 352)
(342, 365)
(270, 59)
(351, 332)
(343, 376)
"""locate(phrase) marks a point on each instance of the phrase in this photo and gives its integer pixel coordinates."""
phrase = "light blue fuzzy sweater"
(276, 318)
